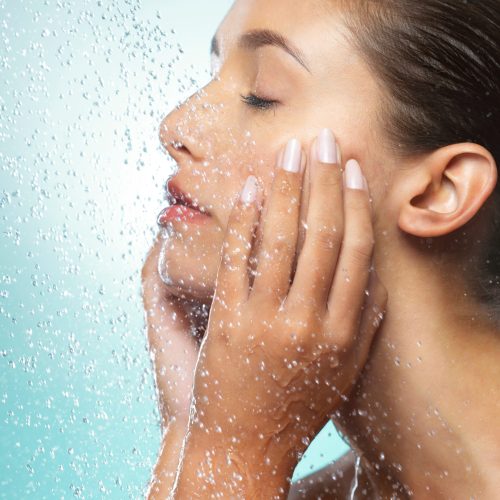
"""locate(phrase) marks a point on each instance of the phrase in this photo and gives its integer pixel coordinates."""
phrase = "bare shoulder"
(332, 482)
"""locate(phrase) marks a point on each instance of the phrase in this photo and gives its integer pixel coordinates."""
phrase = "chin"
(186, 271)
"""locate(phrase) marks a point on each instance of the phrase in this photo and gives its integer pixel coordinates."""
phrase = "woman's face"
(218, 138)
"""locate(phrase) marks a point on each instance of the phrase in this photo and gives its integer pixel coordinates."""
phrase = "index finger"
(281, 226)
(233, 281)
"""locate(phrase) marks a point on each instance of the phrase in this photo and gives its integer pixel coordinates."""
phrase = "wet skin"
(224, 139)
(218, 139)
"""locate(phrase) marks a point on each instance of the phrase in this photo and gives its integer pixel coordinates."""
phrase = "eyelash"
(260, 103)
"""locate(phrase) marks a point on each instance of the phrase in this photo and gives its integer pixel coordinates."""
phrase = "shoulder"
(331, 482)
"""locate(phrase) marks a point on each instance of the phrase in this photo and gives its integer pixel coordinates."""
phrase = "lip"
(176, 196)
(181, 213)
(182, 208)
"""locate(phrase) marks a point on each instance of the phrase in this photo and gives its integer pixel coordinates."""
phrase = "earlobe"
(454, 184)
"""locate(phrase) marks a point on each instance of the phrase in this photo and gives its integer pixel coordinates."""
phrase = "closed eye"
(260, 103)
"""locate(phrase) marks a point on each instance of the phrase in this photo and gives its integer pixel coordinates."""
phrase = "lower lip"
(181, 213)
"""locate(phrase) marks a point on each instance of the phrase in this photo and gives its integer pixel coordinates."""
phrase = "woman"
(410, 91)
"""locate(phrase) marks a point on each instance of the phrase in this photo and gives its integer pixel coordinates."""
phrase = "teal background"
(83, 87)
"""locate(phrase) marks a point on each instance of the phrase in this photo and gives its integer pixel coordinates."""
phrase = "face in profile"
(282, 69)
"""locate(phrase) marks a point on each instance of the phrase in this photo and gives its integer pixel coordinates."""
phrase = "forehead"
(314, 26)
(278, 13)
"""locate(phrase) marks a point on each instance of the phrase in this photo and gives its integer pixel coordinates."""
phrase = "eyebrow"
(254, 39)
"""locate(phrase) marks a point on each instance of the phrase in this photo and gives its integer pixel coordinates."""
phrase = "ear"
(447, 189)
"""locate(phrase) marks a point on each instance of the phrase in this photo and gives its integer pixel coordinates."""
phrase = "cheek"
(250, 156)
(243, 162)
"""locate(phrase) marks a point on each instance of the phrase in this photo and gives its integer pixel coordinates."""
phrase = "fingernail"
(292, 158)
(249, 193)
(326, 147)
(354, 178)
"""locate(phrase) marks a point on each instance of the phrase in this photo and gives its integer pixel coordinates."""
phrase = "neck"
(425, 413)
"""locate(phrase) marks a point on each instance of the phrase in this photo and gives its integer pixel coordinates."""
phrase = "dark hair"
(439, 61)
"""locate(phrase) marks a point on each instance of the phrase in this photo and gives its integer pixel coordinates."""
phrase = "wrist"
(215, 465)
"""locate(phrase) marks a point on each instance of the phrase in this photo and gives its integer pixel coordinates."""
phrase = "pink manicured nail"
(354, 178)
(326, 147)
(292, 157)
(249, 193)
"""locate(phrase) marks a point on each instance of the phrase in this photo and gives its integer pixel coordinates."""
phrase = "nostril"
(178, 146)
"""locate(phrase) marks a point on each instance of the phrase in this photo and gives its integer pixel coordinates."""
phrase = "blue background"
(83, 88)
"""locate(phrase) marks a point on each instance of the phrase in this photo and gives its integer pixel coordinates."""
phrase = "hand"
(279, 358)
(175, 327)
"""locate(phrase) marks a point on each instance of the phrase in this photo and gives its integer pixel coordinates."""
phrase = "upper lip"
(176, 196)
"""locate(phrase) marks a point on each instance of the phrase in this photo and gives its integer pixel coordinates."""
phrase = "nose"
(175, 141)
(183, 131)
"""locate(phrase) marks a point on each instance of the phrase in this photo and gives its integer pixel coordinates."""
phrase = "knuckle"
(327, 237)
(361, 244)
(361, 253)
(344, 340)
(303, 321)
(306, 305)
(302, 328)
(296, 339)
(281, 245)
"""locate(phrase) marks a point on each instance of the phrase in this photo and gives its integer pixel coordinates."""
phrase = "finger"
(351, 275)
(232, 285)
(279, 240)
(371, 317)
(325, 226)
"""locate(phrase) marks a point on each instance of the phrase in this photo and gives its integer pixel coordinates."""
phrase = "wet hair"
(439, 63)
